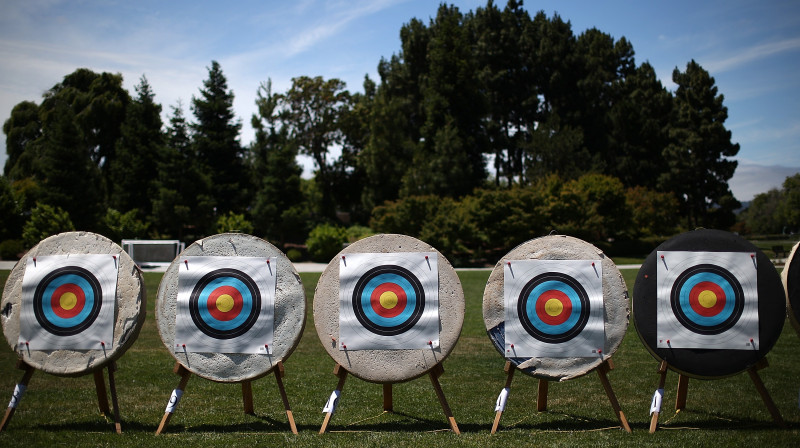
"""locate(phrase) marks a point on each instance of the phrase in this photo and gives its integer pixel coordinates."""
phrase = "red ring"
(55, 300)
(694, 299)
(238, 303)
(375, 299)
(559, 319)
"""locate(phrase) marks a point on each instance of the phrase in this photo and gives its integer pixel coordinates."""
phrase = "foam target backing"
(709, 303)
(556, 307)
(73, 304)
(230, 307)
(374, 308)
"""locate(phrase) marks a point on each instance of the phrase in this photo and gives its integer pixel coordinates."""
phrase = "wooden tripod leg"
(773, 410)
(602, 371)
(342, 374)
(279, 373)
(102, 397)
(176, 394)
(509, 369)
(112, 387)
(388, 406)
(247, 397)
(541, 396)
(18, 391)
(662, 370)
(683, 388)
(435, 373)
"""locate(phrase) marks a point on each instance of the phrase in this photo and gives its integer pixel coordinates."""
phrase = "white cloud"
(751, 179)
(751, 54)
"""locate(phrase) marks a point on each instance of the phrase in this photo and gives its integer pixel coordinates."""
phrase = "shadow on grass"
(396, 422)
(715, 421)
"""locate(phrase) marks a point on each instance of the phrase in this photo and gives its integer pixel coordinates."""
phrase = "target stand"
(247, 396)
(556, 308)
(708, 305)
(230, 309)
(388, 309)
(71, 307)
(388, 405)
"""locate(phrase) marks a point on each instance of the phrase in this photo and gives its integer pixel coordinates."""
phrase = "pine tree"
(697, 156)
(138, 149)
(216, 142)
(182, 204)
(277, 208)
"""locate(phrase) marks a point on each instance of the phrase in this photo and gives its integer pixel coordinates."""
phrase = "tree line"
(475, 109)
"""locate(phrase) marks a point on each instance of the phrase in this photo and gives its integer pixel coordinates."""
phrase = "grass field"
(59, 411)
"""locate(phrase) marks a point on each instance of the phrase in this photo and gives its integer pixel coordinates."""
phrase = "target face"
(554, 308)
(225, 304)
(388, 301)
(68, 302)
(707, 300)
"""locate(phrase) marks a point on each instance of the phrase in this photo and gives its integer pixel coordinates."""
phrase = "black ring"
(194, 305)
(38, 298)
(723, 326)
(397, 329)
(523, 302)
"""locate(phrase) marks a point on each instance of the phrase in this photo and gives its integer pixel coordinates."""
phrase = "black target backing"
(710, 363)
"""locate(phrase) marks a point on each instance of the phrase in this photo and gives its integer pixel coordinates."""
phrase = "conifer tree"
(216, 142)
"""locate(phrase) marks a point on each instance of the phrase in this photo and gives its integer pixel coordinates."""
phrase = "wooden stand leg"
(662, 370)
(102, 397)
(509, 369)
(185, 375)
(683, 388)
(247, 397)
(112, 386)
(435, 373)
(773, 410)
(279, 373)
(342, 374)
(541, 397)
(388, 406)
(602, 371)
(18, 391)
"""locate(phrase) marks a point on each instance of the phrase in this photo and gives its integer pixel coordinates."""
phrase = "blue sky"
(752, 49)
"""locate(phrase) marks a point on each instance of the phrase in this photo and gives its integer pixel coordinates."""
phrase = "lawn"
(63, 411)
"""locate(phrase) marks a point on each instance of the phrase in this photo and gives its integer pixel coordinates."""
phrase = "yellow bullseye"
(224, 303)
(553, 307)
(68, 301)
(388, 300)
(707, 299)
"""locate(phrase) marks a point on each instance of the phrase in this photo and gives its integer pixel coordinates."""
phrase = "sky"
(752, 49)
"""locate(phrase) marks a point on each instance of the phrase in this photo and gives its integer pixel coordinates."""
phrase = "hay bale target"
(241, 309)
(567, 309)
(362, 277)
(74, 304)
(790, 276)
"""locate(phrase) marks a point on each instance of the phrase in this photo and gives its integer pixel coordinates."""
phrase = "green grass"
(59, 411)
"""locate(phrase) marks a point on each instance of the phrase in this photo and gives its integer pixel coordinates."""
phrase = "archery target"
(707, 300)
(553, 308)
(68, 302)
(388, 301)
(225, 304)
(791, 284)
